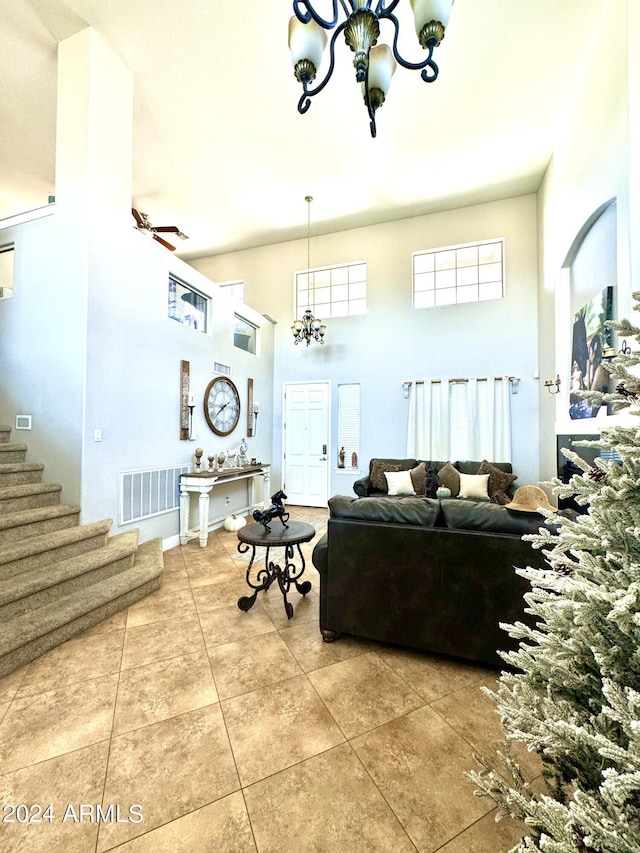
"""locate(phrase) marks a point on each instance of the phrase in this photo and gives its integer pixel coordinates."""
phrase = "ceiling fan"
(143, 224)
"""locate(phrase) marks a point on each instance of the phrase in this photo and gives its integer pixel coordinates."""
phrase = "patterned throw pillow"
(499, 482)
(449, 477)
(378, 469)
(418, 477)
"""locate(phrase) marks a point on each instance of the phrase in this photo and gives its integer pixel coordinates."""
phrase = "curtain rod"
(439, 381)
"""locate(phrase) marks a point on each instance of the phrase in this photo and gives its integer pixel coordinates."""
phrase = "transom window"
(244, 334)
(336, 291)
(187, 305)
(472, 272)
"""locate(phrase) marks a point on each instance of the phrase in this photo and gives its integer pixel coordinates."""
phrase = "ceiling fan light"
(425, 11)
(306, 42)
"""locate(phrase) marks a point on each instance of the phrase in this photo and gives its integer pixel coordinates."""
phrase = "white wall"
(86, 342)
(590, 165)
(393, 342)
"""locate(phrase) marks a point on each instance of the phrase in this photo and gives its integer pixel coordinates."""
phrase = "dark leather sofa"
(436, 575)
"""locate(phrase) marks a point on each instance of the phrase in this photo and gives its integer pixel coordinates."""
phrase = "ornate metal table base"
(289, 538)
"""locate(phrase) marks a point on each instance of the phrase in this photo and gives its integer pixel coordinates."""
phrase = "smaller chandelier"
(308, 328)
(375, 64)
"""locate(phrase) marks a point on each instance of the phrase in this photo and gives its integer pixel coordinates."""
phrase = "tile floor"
(233, 732)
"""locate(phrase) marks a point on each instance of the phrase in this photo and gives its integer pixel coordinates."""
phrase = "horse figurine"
(239, 452)
(276, 510)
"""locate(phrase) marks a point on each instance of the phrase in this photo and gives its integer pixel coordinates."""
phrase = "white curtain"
(489, 422)
(428, 428)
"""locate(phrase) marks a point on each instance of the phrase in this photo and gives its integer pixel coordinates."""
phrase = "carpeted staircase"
(57, 576)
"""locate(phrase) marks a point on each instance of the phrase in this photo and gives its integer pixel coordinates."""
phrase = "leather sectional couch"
(431, 574)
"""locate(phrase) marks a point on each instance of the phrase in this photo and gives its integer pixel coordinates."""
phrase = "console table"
(202, 482)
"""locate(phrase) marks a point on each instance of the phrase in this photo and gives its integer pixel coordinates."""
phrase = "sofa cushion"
(418, 477)
(399, 483)
(474, 487)
(419, 511)
(499, 482)
(481, 515)
(449, 477)
(378, 468)
(469, 466)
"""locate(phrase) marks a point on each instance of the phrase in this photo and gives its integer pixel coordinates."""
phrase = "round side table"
(291, 537)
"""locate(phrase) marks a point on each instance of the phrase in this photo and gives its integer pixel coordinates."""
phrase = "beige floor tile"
(10, 684)
(487, 836)
(4, 707)
(248, 664)
(327, 804)
(163, 604)
(117, 622)
(76, 660)
(429, 675)
(71, 779)
(306, 608)
(175, 580)
(473, 715)
(220, 571)
(221, 827)
(170, 769)
(160, 640)
(310, 650)
(419, 763)
(166, 688)
(363, 693)
(173, 560)
(213, 596)
(277, 726)
(48, 724)
(229, 624)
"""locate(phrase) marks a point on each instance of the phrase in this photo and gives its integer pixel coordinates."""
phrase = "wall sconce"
(549, 383)
(609, 352)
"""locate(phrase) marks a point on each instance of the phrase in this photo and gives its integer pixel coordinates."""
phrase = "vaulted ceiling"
(221, 151)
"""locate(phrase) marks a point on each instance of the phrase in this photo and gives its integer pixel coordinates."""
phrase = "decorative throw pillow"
(449, 477)
(418, 477)
(474, 487)
(499, 481)
(501, 498)
(378, 469)
(399, 482)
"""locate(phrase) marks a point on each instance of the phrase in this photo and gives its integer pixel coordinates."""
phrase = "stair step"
(34, 589)
(30, 635)
(29, 496)
(27, 523)
(5, 433)
(16, 473)
(12, 452)
(41, 551)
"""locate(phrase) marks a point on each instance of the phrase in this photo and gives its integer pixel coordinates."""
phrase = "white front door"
(306, 442)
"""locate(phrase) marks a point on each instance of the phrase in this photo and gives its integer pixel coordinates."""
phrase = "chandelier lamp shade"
(374, 64)
(309, 327)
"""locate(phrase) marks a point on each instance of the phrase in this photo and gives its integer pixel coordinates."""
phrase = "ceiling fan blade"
(164, 243)
(139, 220)
(171, 229)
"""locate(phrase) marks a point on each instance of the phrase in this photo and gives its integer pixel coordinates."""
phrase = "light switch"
(97, 435)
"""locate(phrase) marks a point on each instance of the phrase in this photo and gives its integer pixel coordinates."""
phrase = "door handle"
(323, 458)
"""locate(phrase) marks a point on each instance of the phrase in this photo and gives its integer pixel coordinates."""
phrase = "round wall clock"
(222, 405)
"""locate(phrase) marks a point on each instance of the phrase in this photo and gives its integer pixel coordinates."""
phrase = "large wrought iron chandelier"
(375, 64)
(309, 327)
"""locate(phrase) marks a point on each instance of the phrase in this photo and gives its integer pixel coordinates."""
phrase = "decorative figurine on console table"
(276, 510)
(198, 455)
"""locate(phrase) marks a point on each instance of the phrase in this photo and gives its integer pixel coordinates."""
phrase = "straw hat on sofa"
(528, 499)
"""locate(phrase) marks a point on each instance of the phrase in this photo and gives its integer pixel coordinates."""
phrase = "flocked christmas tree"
(574, 694)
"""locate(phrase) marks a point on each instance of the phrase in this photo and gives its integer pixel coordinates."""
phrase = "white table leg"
(203, 512)
(184, 515)
(266, 489)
